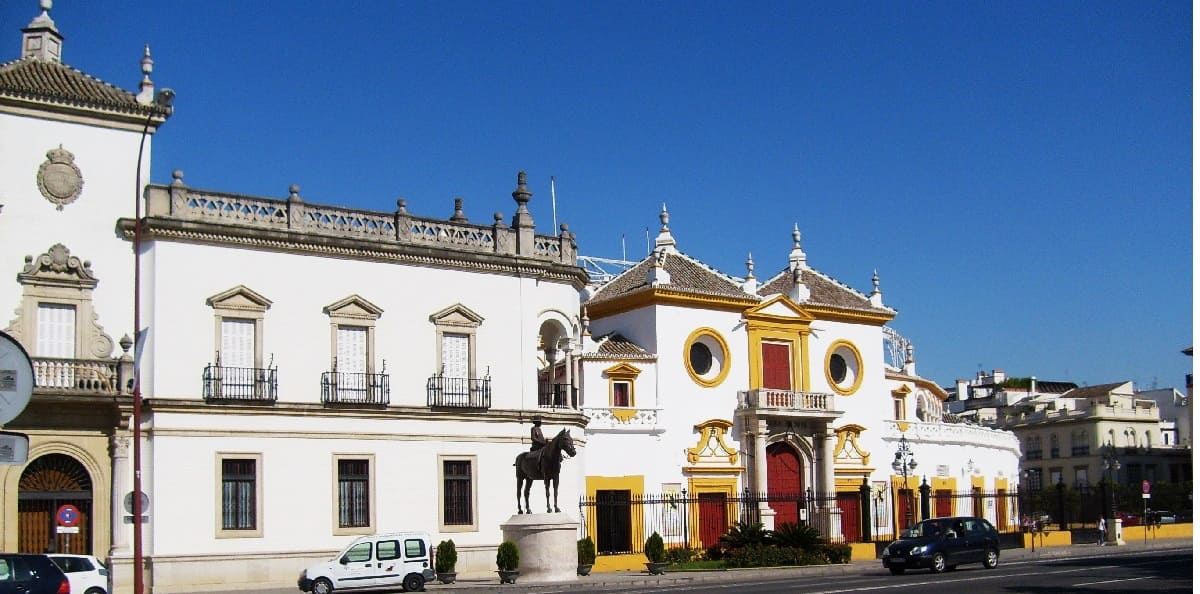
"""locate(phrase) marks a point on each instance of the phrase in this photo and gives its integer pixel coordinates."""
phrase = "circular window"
(707, 357)
(843, 367)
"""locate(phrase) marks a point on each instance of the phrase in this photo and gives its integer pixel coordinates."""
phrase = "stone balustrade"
(952, 434)
(622, 419)
(785, 401)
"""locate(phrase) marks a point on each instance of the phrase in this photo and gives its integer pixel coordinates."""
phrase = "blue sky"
(1018, 172)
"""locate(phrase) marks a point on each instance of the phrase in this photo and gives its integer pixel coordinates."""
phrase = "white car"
(85, 572)
(401, 559)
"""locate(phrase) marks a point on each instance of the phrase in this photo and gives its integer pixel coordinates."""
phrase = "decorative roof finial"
(522, 194)
(586, 322)
(41, 39)
(522, 220)
(146, 95)
(797, 259)
(876, 297)
(459, 216)
(664, 242)
(750, 285)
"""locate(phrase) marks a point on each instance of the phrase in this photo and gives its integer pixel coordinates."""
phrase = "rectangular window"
(621, 394)
(414, 548)
(455, 355)
(458, 495)
(354, 493)
(898, 408)
(239, 494)
(386, 550)
(237, 343)
(56, 331)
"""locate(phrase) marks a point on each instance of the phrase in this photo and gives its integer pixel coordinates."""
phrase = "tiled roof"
(616, 346)
(822, 290)
(1093, 391)
(57, 83)
(687, 275)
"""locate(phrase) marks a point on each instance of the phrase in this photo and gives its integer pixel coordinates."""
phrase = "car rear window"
(414, 547)
(387, 550)
(73, 564)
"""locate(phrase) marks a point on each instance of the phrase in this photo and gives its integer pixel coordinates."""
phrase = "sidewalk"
(634, 579)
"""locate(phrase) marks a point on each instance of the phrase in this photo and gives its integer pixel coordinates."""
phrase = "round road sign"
(68, 515)
(1145, 487)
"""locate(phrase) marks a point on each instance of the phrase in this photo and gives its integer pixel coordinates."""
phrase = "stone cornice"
(168, 229)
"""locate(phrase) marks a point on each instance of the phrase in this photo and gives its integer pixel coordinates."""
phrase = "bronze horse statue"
(543, 464)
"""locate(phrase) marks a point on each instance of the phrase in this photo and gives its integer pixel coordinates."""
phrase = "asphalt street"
(1163, 566)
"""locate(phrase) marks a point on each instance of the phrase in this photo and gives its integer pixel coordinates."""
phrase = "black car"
(944, 543)
(31, 574)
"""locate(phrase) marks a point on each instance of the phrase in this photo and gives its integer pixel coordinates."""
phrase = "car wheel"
(413, 583)
(896, 570)
(938, 564)
(322, 586)
(94, 591)
(992, 559)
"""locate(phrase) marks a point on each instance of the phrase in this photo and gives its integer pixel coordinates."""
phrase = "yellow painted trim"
(841, 315)
(635, 484)
(858, 374)
(1136, 534)
(862, 551)
(659, 296)
(626, 373)
(902, 426)
(978, 482)
(725, 357)
(851, 433)
(713, 430)
(626, 562)
(1052, 538)
(623, 414)
(762, 326)
(698, 485)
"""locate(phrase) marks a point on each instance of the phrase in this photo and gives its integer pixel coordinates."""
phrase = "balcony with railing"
(622, 419)
(84, 377)
(459, 392)
(1033, 455)
(339, 387)
(240, 384)
(557, 396)
(786, 403)
(1081, 450)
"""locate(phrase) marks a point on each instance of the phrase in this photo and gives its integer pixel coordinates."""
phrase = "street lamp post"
(904, 463)
(1112, 466)
(162, 101)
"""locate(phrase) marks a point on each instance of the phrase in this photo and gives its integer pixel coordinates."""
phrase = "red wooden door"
(906, 510)
(1001, 509)
(714, 519)
(848, 503)
(943, 503)
(777, 366)
(785, 483)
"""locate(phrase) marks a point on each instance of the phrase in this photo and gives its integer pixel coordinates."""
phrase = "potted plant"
(586, 550)
(656, 554)
(445, 561)
(508, 558)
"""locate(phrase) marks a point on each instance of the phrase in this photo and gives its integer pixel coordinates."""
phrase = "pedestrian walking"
(1103, 527)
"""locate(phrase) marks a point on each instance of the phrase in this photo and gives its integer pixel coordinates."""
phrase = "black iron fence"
(557, 396)
(249, 384)
(459, 392)
(338, 387)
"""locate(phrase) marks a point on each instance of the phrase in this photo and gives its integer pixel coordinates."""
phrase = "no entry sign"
(68, 515)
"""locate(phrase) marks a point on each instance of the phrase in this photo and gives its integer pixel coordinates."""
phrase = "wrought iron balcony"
(338, 387)
(240, 384)
(788, 403)
(1033, 455)
(459, 392)
(105, 377)
(1081, 450)
(557, 396)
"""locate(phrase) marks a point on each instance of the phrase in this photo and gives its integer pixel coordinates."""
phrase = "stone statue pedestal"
(547, 545)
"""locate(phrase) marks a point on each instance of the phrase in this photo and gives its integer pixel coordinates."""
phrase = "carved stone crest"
(59, 179)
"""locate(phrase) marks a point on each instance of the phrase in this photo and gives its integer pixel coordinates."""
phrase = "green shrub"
(835, 552)
(508, 557)
(586, 550)
(744, 534)
(681, 555)
(654, 549)
(772, 556)
(800, 536)
(446, 557)
(714, 553)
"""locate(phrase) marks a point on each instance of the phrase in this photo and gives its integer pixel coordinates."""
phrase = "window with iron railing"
(459, 392)
(253, 384)
(1033, 455)
(339, 387)
(557, 395)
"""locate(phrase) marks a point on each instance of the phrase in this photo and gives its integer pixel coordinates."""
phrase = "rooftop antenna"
(647, 241)
(553, 206)
(622, 246)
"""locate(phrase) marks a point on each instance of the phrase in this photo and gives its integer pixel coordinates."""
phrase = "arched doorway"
(48, 483)
(785, 482)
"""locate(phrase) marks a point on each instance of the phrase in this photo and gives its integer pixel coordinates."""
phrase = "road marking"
(1110, 581)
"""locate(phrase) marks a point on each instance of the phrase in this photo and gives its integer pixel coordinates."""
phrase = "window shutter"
(56, 331)
(352, 349)
(237, 343)
(455, 355)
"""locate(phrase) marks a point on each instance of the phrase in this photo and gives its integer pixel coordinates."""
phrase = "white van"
(378, 561)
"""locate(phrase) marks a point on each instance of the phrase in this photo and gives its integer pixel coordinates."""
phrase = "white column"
(824, 443)
(759, 433)
(119, 446)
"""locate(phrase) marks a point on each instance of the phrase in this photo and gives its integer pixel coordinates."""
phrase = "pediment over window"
(778, 308)
(57, 267)
(622, 370)
(239, 298)
(847, 451)
(457, 315)
(711, 449)
(354, 307)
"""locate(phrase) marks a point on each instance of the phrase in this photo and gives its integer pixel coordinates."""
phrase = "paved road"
(1163, 566)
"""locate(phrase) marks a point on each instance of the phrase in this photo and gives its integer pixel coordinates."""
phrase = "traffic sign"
(68, 515)
(1145, 487)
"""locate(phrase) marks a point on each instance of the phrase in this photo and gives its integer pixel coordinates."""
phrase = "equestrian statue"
(542, 461)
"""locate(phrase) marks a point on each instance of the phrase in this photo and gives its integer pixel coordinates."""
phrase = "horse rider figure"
(535, 435)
